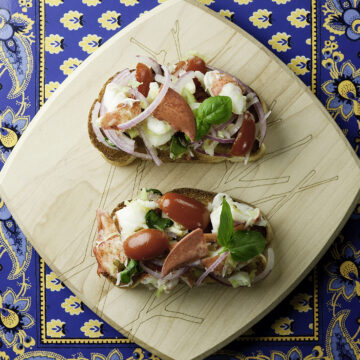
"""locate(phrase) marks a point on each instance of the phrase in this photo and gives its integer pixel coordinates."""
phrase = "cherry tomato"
(145, 76)
(245, 137)
(146, 244)
(184, 210)
(196, 64)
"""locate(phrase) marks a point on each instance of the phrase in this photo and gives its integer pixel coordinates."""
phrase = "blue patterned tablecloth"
(44, 41)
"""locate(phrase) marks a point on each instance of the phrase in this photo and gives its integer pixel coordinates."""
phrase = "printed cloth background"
(44, 41)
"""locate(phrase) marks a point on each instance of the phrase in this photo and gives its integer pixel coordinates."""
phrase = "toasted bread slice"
(205, 197)
(120, 158)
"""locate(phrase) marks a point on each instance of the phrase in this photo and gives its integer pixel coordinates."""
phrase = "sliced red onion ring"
(103, 109)
(122, 142)
(171, 234)
(158, 262)
(159, 78)
(212, 267)
(151, 150)
(220, 140)
(174, 275)
(139, 96)
(153, 273)
(220, 127)
(122, 78)
(269, 266)
(149, 110)
(197, 144)
(263, 127)
(254, 99)
(94, 116)
(150, 62)
(183, 80)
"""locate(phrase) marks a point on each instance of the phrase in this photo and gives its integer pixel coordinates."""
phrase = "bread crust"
(204, 197)
(120, 158)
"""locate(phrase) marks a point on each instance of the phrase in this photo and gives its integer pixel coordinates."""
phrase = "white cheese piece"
(238, 99)
(132, 217)
(157, 132)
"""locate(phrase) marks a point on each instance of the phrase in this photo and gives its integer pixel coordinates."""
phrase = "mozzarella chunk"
(235, 94)
(158, 132)
(132, 217)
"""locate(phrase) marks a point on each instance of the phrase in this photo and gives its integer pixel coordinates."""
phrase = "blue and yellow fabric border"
(44, 41)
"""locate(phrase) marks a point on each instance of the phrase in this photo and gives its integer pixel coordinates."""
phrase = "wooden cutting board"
(307, 183)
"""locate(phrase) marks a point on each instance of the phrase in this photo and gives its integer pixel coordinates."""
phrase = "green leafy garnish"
(109, 142)
(129, 271)
(155, 221)
(178, 146)
(243, 245)
(214, 110)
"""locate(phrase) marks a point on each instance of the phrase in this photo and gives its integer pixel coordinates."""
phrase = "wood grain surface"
(307, 183)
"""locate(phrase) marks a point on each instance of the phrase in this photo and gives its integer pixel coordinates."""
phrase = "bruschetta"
(186, 235)
(189, 112)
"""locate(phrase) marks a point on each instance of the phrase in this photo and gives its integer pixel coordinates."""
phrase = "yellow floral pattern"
(90, 43)
(72, 20)
(301, 302)
(129, 2)
(110, 20)
(282, 326)
(3, 356)
(54, 2)
(261, 18)
(243, 2)
(72, 305)
(299, 18)
(91, 2)
(53, 283)
(54, 43)
(92, 328)
(299, 65)
(227, 14)
(206, 2)
(55, 328)
(69, 65)
(280, 2)
(280, 41)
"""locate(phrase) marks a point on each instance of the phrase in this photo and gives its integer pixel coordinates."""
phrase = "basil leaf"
(246, 244)
(129, 271)
(214, 110)
(226, 226)
(154, 191)
(178, 146)
(155, 221)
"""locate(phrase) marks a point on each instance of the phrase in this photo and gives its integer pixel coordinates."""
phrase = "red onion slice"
(263, 127)
(212, 267)
(269, 266)
(153, 273)
(159, 78)
(183, 80)
(174, 275)
(149, 62)
(139, 96)
(122, 78)
(149, 110)
(220, 140)
(122, 142)
(150, 149)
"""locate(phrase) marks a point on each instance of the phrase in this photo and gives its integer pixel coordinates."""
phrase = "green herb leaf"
(226, 226)
(246, 244)
(214, 110)
(129, 271)
(178, 146)
(155, 221)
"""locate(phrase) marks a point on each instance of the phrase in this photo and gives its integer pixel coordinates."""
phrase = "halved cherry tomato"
(196, 64)
(245, 137)
(146, 244)
(145, 76)
(184, 210)
(193, 64)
